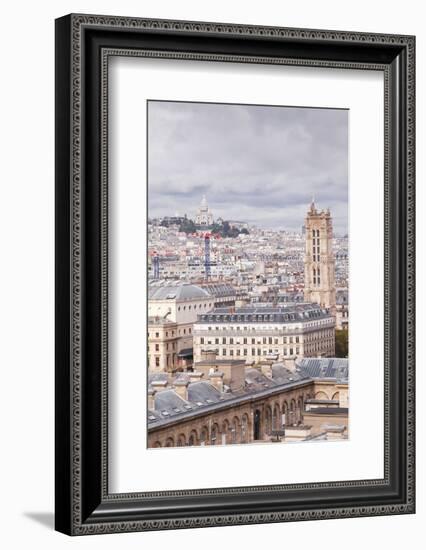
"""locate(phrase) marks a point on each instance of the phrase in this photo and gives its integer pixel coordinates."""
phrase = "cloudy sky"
(256, 164)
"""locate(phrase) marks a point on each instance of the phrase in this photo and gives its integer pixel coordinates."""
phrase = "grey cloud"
(254, 163)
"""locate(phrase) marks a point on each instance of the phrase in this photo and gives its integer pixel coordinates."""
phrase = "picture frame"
(84, 44)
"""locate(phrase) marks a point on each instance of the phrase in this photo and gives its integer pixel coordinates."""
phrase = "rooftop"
(288, 313)
(204, 397)
(176, 292)
(324, 367)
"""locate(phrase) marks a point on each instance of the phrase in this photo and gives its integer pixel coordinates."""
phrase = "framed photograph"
(234, 274)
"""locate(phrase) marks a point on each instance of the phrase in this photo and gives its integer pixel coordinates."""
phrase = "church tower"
(319, 259)
(204, 216)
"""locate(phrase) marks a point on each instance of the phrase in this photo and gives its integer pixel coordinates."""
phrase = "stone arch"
(204, 436)
(193, 438)
(245, 426)
(235, 429)
(157, 444)
(181, 442)
(321, 395)
(300, 409)
(257, 424)
(285, 411)
(336, 395)
(268, 421)
(226, 432)
(292, 411)
(215, 434)
(277, 417)
(170, 442)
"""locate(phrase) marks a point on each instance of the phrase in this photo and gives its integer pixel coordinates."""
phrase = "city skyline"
(272, 161)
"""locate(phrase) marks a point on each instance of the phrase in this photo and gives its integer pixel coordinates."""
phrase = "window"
(231, 340)
(231, 352)
(223, 340)
(157, 361)
(245, 351)
(216, 340)
(202, 340)
(224, 351)
(244, 340)
(297, 339)
(157, 335)
(157, 347)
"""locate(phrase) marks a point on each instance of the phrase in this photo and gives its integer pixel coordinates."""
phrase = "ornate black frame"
(83, 46)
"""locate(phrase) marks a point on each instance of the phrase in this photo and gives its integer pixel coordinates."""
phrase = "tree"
(342, 343)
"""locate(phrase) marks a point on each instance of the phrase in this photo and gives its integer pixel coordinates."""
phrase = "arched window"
(268, 420)
(204, 437)
(214, 437)
(225, 432)
(181, 441)
(192, 440)
(244, 429)
(234, 430)
(277, 419)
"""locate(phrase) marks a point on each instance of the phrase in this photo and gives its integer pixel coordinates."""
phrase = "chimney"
(290, 364)
(216, 379)
(159, 385)
(208, 355)
(181, 388)
(195, 376)
(151, 399)
(266, 369)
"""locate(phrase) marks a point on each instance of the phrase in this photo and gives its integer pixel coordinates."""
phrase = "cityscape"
(248, 322)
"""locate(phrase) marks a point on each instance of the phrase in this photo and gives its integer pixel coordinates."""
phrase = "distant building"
(204, 217)
(342, 309)
(172, 311)
(252, 333)
(223, 294)
(319, 259)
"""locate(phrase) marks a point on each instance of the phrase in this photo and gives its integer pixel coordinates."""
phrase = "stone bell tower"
(319, 259)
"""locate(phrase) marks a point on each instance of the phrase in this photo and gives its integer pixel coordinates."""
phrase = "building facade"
(319, 259)
(172, 312)
(282, 332)
(226, 402)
